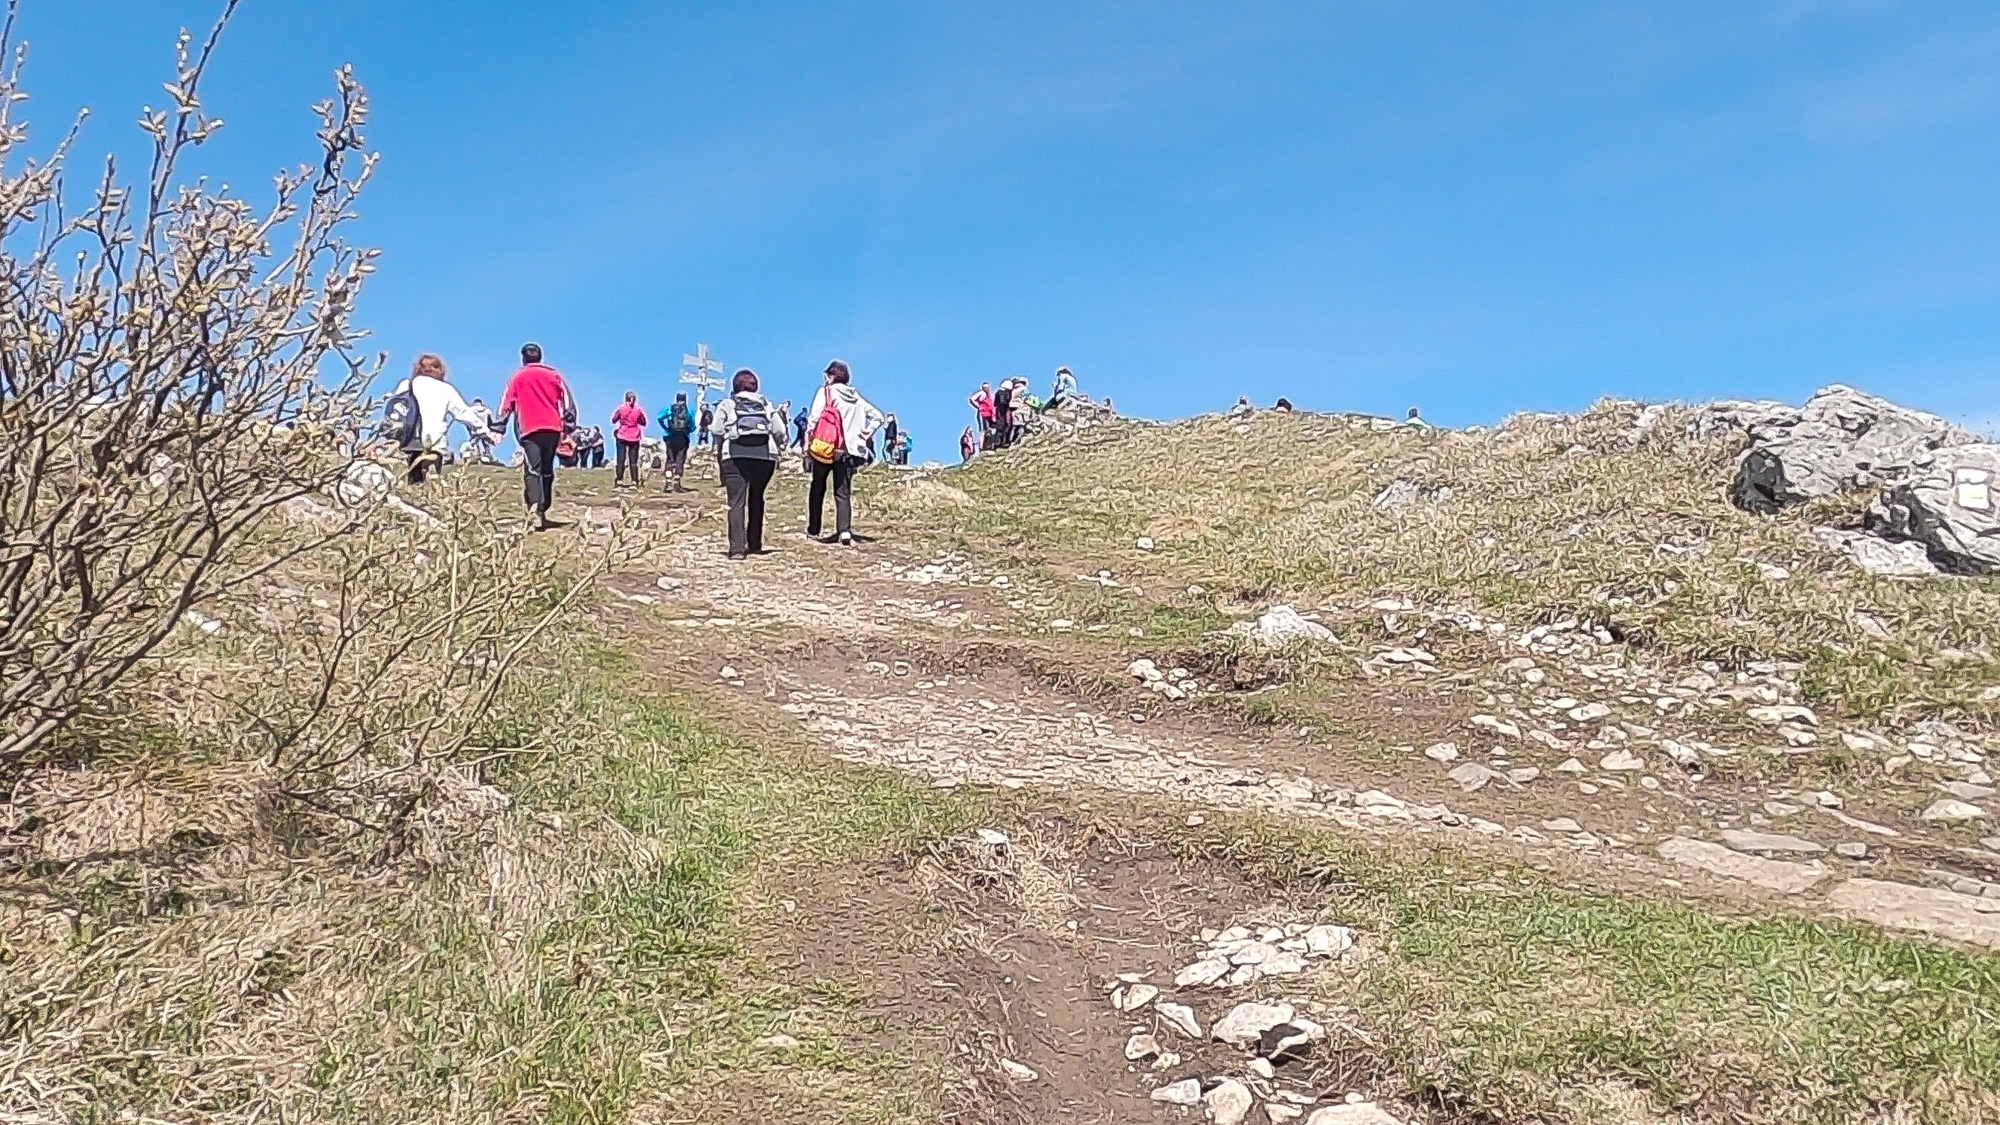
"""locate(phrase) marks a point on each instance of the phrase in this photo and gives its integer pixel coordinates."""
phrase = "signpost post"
(704, 372)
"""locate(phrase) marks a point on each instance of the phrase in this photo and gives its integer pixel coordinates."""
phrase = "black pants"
(592, 458)
(745, 479)
(538, 470)
(421, 464)
(842, 472)
(628, 458)
(677, 461)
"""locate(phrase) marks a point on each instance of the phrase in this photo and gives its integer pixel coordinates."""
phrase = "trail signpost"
(704, 372)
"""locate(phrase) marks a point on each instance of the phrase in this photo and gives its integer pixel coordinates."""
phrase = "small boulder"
(1185, 1092)
(1279, 626)
(1229, 1103)
(1246, 1023)
(1950, 811)
(1180, 1017)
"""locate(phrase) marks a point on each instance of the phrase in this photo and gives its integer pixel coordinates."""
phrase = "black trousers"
(592, 458)
(677, 461)
(841, 472)
(421, 464)
(538, 470)
(628, 458)
(745, 480)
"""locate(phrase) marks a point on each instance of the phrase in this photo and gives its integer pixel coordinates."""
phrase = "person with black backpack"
(746, 450)
(678, 422)
(1003, 416)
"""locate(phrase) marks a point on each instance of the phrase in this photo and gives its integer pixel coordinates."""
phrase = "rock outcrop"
(1841, 439)
(1950, 503)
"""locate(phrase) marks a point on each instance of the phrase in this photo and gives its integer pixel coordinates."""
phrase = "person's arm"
(509, 403)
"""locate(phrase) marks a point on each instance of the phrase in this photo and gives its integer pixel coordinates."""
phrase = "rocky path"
(1574, 750)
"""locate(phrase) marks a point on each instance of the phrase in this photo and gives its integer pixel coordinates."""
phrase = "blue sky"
(1472, 207)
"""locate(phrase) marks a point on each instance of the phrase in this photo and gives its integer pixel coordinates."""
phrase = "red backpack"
(829, 438)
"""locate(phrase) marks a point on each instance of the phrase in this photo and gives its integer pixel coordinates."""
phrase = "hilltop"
(1273, 762)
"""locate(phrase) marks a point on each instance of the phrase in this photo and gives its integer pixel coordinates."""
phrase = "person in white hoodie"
(858, 422)
(438, 405)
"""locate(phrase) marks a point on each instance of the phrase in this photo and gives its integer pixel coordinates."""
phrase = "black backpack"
(753, 423)
(402, 419)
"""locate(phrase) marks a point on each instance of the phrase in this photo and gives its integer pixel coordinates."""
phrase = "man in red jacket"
(539, 402)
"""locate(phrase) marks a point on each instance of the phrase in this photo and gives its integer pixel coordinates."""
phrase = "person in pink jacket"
(628, 425)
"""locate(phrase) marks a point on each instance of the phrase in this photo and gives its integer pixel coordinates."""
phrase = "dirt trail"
(853, 646)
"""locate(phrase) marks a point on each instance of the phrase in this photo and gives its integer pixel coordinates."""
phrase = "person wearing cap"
(858, 422)
(539, 402)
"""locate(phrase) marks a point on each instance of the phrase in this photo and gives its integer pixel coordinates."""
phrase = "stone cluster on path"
(1269, 1033)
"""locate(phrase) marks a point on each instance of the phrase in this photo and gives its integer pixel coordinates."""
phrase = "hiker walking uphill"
(678, 423)
(707, 421)
(1001, 420)
(841, 424)
(982, 412)
(539, 402)
(628, 428)
(746, 450)
(422, 409)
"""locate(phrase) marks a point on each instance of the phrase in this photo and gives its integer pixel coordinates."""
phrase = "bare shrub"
(176, 364)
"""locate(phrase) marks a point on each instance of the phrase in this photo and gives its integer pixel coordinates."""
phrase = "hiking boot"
(847, 539)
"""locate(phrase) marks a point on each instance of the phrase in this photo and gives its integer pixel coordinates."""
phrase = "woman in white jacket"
(438, 405)
(858, 422)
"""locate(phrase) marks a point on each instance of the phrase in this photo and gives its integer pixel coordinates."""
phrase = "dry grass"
(1546, 518)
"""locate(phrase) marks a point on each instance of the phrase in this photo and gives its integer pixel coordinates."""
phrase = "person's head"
(479, 402)
(1413, 412)
(429, 365)
(631, 397)
(1284, 404)
(890, 417)
(1062, 371)
(744, 383)
(836, 372)
(681, 397)
(531, 353)
(985, 386)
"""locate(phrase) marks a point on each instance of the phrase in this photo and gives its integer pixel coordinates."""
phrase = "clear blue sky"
(1473, 207)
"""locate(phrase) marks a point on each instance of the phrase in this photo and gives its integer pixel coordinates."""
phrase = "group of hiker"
(834, 436)
(1000, 414)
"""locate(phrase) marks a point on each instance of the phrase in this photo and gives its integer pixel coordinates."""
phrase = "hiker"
(678, 422)
(890, 431)
(590, 447)
(842, 425)
(539, 402)
(628, 428)
(1017, 418)
(746, 452)
(477, 449)
(968, 444)
(903, 449)
(799, 429)
(1414, 420)
(1001, 418)
(781, 433)
(707, 421)
(438, 404)
(1283, 406)
(982, 411)
(1242, 407)
(1065, 388)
